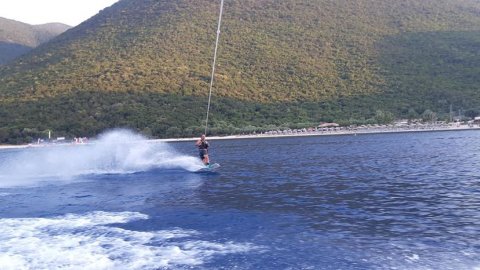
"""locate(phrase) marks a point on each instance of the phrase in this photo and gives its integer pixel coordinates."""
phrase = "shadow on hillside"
(10, 51)
(432, 70)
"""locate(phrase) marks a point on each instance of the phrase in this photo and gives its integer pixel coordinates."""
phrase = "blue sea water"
(383, 201)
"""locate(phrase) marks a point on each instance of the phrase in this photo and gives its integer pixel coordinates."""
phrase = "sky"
(71, 12)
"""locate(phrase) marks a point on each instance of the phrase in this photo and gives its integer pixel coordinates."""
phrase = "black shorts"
(202, 153)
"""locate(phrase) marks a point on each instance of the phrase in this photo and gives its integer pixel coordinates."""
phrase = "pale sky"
(71, 12)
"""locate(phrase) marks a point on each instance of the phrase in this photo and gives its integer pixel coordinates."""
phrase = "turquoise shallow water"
(384, 201)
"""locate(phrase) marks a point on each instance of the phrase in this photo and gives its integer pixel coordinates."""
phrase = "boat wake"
(96, 241)
(115, 152)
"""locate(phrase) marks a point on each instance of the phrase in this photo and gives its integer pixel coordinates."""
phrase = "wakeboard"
(209, 168)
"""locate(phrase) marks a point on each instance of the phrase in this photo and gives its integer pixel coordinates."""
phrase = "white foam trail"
(118, 151)
(86, 242)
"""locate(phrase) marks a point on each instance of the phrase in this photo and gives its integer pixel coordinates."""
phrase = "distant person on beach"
(202, 145)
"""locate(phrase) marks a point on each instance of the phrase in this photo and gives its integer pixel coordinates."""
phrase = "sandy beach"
(6, 146)
(333, 132)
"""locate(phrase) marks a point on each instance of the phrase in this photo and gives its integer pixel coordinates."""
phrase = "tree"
(173, 132)
(412, 114)
(429, 116)
(472, 113)
(382, 117)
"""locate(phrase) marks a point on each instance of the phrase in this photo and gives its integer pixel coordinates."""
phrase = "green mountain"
(17, 38)
(145, 64)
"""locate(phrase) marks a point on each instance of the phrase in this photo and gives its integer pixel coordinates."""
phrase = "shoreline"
(326, 133)
(351, 132)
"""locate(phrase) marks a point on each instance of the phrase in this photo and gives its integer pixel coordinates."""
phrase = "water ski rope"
(213, 65)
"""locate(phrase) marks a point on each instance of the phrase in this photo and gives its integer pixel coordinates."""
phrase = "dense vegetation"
(145, 64)
(17, 38)
(84, 113)
(433, 70)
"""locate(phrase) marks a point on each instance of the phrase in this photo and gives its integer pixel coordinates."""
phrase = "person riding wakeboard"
(203, 145)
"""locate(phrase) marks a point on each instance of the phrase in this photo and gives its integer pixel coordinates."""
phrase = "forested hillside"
(145, 64)
(17, 38)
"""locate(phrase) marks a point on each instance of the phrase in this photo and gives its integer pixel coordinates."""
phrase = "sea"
(372, 201)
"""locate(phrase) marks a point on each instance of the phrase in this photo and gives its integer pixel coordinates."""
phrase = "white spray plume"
(118, 151)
